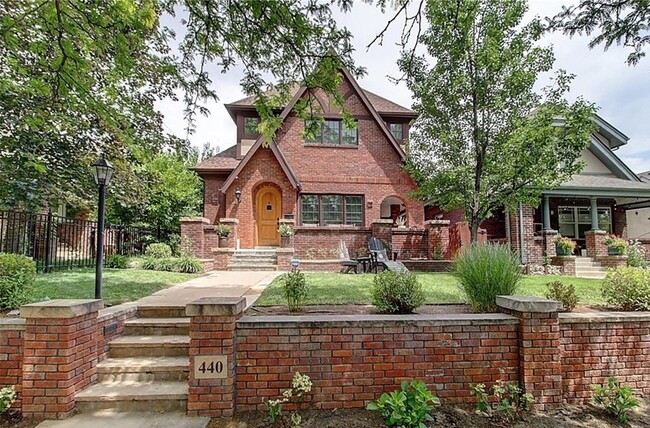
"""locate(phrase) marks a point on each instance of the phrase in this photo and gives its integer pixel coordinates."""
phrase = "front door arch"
(269, 207)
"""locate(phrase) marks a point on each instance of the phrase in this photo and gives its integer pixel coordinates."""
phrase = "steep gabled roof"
(611, 161)
(280, 156)
(223, 161)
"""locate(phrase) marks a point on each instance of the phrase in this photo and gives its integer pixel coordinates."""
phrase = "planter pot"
(286, 241)
(224, 241)
(561, 251)
(615, 251)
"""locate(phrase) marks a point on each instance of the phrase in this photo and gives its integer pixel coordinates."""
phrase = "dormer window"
(397, 129)
(250, 125)
(333, 133)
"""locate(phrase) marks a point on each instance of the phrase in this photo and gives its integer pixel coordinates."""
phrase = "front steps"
(261, 259)
(147, 368)
(587, 267)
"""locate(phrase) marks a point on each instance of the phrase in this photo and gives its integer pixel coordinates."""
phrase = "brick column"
(192, 230)
(596, 243)
(438, 238)
(550, 236)
(60, 355)
(566, 263)
(232, 222)
(382, 229)
(540, 368)
(12, 331)
(212, 355)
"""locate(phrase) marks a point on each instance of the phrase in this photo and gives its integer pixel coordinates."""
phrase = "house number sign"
(210, 367)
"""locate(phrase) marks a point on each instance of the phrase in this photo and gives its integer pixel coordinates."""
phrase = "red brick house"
(332, 187)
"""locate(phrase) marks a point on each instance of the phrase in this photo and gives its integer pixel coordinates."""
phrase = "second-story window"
(333, 133)
(397, 129)
(250, 125)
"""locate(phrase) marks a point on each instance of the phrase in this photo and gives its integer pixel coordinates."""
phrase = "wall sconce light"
(369, 204)
(238, 195)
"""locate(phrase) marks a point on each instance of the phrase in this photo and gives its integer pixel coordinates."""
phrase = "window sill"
(333, 146)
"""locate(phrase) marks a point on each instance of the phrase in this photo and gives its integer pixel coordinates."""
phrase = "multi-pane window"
(250, 125)
(332, 132)
(397, 129)
(331, 210)
(575, 221)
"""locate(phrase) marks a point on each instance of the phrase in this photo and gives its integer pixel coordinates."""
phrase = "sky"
(621, 92)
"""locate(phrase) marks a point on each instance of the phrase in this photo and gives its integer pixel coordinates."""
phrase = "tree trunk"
(473, 229)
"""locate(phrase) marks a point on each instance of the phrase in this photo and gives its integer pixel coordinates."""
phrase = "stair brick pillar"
(595, 242)
(438, 238)
(212, 355)
(540, 367)
(192, 233)
(60, 355)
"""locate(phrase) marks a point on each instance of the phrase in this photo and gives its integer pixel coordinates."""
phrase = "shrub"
(158, 250)
(617, 399)
(627, 288)
(486, 271)
(7, 398)
(223, 230)
(188, 264)
(510, 399)
(565, 245)
(636, 253)
(117, 261)
(17, 276)
(408, 406)
(165, 265)
(286, 230)
(616, 243)
(300, 385)
(295, 289)
(566, 294)
(397, 292)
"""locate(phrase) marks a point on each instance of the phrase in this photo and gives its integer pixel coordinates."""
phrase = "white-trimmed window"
(575, 221)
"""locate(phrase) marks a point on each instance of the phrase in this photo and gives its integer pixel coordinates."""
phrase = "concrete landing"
(111, 419)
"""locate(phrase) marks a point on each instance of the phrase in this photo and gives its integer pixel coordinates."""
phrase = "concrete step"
(132, 396)
(157, 326)
(594, 275)
(143, 369)
(161, 311)
(149, 346)
(268, 260)
(591, 269)
(253, 267)
(113, 419)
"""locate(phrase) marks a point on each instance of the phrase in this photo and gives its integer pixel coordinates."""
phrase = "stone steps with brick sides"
(255, 260)
(147, 368)
(587, 267)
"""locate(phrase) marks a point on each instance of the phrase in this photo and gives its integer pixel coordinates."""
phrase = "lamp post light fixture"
(238, 195)
(103, 173)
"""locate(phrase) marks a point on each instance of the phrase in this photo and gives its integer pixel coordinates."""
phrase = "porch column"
(594, 214)
(547, 214)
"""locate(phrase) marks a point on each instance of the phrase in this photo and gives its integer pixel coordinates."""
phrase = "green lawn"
(119, 285)
(339, 289)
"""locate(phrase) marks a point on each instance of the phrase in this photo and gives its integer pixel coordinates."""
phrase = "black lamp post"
(103, 172)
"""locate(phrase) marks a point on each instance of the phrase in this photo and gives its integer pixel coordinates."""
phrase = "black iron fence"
(56, 242)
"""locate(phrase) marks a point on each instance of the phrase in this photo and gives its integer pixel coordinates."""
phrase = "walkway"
(246, 284)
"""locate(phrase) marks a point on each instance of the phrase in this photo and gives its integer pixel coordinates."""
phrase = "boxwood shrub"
(17, 277)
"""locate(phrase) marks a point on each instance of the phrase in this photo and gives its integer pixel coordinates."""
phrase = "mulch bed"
(14, 419)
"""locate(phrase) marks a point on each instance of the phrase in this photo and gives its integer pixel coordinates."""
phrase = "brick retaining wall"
(12, 332)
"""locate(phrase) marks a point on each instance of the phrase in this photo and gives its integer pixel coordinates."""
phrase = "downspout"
(508, 233)
(522, 255)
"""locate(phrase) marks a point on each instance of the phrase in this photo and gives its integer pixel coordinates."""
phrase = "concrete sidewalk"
(248, 284)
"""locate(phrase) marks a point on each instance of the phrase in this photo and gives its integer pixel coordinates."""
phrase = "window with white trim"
(575, 221)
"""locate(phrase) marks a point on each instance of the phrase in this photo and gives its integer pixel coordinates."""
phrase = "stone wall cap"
(216, 306)
(438, 222)
(12, 324)
(596, 232)
(61, 308)
(528, 304)
(549, 232)
(583, 317)
(275, 321)
(228, 220)
(116, 311)
(195, 220)
(287, 220)
(285, 250)
(383, 221)
(221, 250)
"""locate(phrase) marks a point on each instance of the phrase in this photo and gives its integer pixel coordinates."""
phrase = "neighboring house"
(341, 181)
(638, 216)
(346, 183)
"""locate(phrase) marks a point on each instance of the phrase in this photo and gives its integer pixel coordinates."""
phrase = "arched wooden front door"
(269, 207)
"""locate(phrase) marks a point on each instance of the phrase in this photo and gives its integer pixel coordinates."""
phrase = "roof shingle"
(223, 161)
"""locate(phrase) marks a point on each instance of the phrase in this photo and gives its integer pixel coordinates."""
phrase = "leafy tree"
(484, 139)
(80, 77)
(621, 22)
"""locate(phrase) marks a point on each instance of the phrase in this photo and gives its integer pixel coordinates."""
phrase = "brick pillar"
(540, 368)
(192, 230)
(438, 238)
(60, 355)
(12, 331)
(212, 355)
(550, 236)
(596, 243)
(232, 222)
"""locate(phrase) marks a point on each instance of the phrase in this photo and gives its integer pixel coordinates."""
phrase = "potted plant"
(286, 235)
(223, 232)
(564, 246)
(616, 246)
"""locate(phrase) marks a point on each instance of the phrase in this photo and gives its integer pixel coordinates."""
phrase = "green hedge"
(17, 277)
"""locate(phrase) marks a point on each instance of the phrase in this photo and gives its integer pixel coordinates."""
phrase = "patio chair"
(347, 265)
(379, 258)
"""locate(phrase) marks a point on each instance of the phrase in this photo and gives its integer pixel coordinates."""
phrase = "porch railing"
(56, 242)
